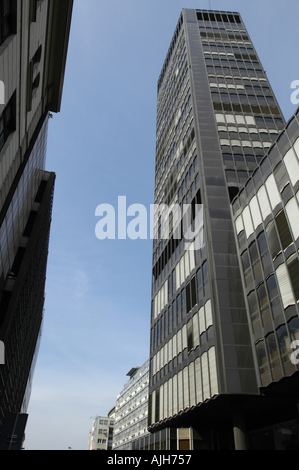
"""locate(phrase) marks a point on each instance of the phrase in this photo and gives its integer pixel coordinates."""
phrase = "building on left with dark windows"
(34, 38)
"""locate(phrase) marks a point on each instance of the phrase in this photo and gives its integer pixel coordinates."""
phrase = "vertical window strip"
(205, 376)
(247, 222)
(186, 387)
(192, 384)
(198, 381)
(292, 211)
(208, 314)
(292, 166)
(195, 331)
(213, 371)
(255, 212)
(161, 414)
(264, 202)
(284, 285)
(274, 195)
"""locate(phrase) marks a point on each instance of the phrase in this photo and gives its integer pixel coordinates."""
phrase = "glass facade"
(218, 299)
(266, 215)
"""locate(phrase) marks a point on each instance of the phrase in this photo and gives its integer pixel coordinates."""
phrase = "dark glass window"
(284, 343)
(199, 283)
(294, 328)
(178, 308)
(281, 176)
(255, 260)
(263, 303)
(272, 238)
(246, 267)
(205, 278)
(254, 311)
(7, 19)
(189, 336)
(272, 351)
(183, 297)
(8, 120)
(263, 249)
(262, 357)
(293, 266)
(273, 291)
(231, 176)
(283, 230)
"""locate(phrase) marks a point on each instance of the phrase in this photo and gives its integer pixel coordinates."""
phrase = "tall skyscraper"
(33, 48)
(217, 119)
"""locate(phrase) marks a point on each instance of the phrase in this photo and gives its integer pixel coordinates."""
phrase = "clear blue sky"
(101, 146)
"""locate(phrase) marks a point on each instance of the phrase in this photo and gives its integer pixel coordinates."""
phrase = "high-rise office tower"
(33, 47)
(217, 118)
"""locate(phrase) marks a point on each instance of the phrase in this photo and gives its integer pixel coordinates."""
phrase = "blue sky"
(101, 146)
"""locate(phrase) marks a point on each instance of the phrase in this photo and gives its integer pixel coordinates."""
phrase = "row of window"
(8, 19)
(246, 108)
(225, 36)
(274, 352)
(165, 151)
(196, 290)
(172, 229)
(220, 17)
(269, 196)
(189, 336)
(8, 120)
(170, 51)
(166, 108)
(192, 385)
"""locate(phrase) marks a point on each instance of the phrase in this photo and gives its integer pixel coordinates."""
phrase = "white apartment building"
(131, 409)
(101, 435)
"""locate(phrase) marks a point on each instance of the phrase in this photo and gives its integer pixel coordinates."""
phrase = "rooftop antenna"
(210, 4)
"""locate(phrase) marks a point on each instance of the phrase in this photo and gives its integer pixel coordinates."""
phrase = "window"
(190, 335)
(254, 311)
(293, 216)
(263, 303)
(262, 358)
(285, 286)
(274, 195)
(255, 261)
(263, 247)
(273, 291)
(7, 19)
(293, 267)
(272, 351)
(272, 238)
(246, 268)
(199, 284)
(247, 222)
(205, 278)
(281, 176)
(294, 328)
(8, 120)
(284, 343)
(283, 229)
